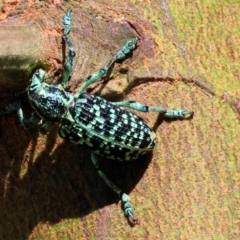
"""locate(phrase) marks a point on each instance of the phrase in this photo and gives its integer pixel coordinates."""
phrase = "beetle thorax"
(51, 102)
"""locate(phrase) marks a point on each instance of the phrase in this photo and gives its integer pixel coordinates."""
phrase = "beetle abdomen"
(107, 129)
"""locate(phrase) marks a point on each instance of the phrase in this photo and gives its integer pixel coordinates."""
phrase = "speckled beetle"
(104, 127)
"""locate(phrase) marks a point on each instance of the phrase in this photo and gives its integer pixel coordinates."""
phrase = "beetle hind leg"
(127, 206)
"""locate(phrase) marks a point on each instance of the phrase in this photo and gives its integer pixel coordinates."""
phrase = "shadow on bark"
(59, 183)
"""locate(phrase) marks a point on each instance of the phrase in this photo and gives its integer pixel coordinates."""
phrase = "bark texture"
(188, 57)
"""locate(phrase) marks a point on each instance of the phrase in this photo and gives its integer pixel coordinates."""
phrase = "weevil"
(104, 127)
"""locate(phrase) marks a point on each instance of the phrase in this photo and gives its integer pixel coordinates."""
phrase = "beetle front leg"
(127, 206)
(127, 48)
(69, 63)
(181, 113)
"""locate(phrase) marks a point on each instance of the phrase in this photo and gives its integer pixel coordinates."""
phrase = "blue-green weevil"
(106, 128)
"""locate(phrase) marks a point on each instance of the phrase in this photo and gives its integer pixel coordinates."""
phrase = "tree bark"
(188, 57)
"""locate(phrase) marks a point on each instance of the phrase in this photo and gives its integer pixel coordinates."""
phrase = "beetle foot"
(67, 19)
(128, 209)
(181, 113)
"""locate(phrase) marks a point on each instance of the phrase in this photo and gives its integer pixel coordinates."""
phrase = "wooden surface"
(189, 188)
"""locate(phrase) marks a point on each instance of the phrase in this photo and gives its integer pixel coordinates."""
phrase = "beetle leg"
(127, 207)
(139, 106)
(127, 48)
(103, 176)
(67, 20)
(143, 108)
(180, 113)
(69, 63)
(90, 80)
(32, 122)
